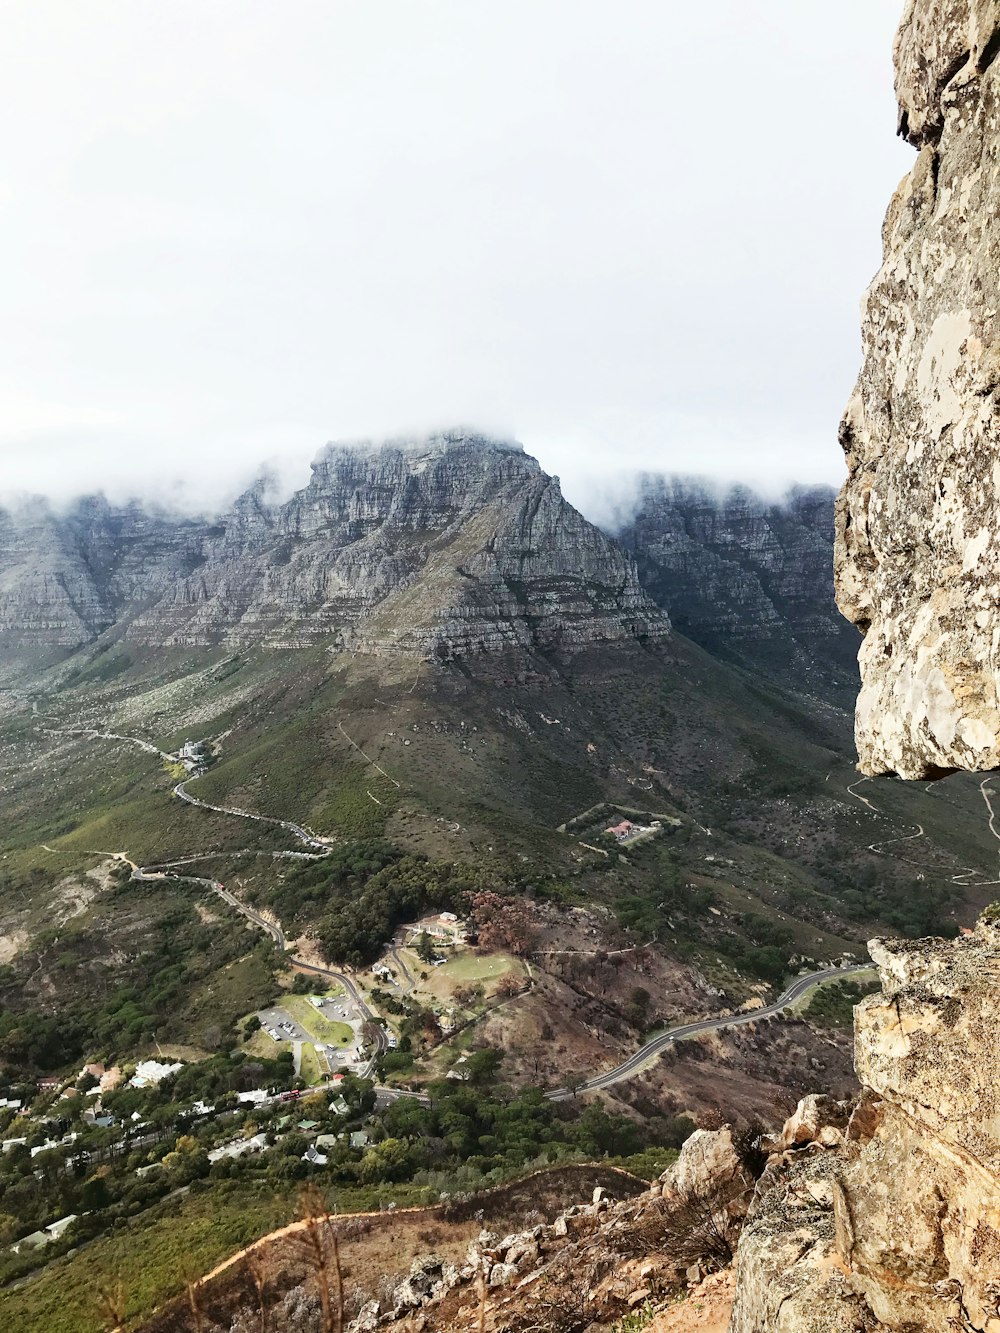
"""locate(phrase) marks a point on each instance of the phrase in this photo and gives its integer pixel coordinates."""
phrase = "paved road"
(407, 980)
(659, 1043)
(310, 839)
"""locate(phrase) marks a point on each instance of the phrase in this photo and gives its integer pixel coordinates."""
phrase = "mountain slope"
(457, 547)
(748, 579)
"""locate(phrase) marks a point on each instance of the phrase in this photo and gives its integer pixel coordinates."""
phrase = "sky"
(630, 234)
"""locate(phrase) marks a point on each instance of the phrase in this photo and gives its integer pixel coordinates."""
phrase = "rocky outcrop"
(892, 1220)
(746, 578)
(594, 1264)
(456, 547)
(918, 534)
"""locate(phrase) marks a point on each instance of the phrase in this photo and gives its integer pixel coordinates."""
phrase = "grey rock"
(366, 1320)
(746, 578)
(456, 547)
(501, 1274)
(918, 537)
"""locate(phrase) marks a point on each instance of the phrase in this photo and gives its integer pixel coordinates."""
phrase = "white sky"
(630, 233)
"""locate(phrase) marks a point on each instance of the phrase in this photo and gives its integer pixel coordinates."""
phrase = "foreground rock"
(898, 1226)
(918, 540)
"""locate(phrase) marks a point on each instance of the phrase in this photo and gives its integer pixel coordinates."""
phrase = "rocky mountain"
(456, 547)
(747, 578)
(918, 560)
(896, 1228)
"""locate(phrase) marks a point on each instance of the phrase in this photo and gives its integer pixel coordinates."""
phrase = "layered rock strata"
(746, 578)
(456, 547)
(892, 1219)
(918, 527)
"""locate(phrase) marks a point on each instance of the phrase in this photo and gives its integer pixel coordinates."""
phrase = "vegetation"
(833, 1005)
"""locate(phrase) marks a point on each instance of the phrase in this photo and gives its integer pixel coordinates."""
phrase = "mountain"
(748, 579)
(456, 547)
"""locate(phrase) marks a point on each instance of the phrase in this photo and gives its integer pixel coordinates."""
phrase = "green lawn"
(323, 1029)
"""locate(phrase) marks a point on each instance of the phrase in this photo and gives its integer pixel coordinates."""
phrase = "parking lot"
(281, 1026)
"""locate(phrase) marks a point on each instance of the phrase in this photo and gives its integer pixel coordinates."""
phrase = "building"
(239, 1148)
(150, 1072)
(444, 928)
(255, 1097)
(623, 831)
(54, 1231)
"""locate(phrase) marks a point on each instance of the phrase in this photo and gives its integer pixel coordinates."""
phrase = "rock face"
(918, 533)
(458, 547)
(894, 1221)
(747, 579)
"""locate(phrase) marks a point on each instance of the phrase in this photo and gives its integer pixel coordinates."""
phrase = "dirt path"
(965, 878)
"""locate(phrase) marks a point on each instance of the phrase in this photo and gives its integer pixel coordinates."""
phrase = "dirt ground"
(705, 1310)
(376, 1249)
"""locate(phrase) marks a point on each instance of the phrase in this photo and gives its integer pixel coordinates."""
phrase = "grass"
(323, 1029)
(153, 1255)
(311, 1070)
(150, 1258)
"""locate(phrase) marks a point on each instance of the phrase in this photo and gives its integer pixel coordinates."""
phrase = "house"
(255, 1097)
(359, 1139)
(150, 1072)
(10, 1103)
(238, 1148)
(312, 1154)
(307, 1125)
(49, 1084)
(324, 1141)
(623, 831)
(339, 1106)
(444, 928)
(192, 755)
(54, 1231)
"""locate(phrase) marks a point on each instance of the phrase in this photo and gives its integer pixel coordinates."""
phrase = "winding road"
(627, 1069)
(967, 878)
(658, 1044)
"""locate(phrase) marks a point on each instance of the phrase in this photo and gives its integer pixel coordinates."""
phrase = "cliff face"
(461, 546)
(898, 1227)
(748, 579)
(918, 536)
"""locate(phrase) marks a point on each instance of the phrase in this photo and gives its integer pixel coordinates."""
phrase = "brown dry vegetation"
(376, 1250)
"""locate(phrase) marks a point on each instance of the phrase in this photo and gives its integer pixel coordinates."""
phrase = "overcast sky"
(629, 234)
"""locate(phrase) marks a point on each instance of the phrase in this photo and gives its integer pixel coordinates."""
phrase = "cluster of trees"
(149, 994)
(356, 930)
(500, 923)
(869, 890)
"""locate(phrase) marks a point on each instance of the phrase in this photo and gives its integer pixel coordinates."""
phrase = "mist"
(631, 237)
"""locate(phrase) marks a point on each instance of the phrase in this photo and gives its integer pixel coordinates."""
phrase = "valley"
(421, 699)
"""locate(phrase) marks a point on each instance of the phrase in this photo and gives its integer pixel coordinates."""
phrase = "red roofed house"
(622, 831)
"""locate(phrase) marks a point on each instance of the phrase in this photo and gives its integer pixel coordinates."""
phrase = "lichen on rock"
(918, 521)
(897, 1226)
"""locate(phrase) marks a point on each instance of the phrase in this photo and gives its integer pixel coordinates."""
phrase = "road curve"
(659, 1043)
(296, 829)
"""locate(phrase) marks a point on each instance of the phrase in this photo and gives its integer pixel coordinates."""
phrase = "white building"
(150, 1072)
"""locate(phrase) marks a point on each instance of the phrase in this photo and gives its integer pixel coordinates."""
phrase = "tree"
(388, 1160)
(502, 924)
(481, 1066)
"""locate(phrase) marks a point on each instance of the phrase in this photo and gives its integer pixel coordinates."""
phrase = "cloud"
(632, 236)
